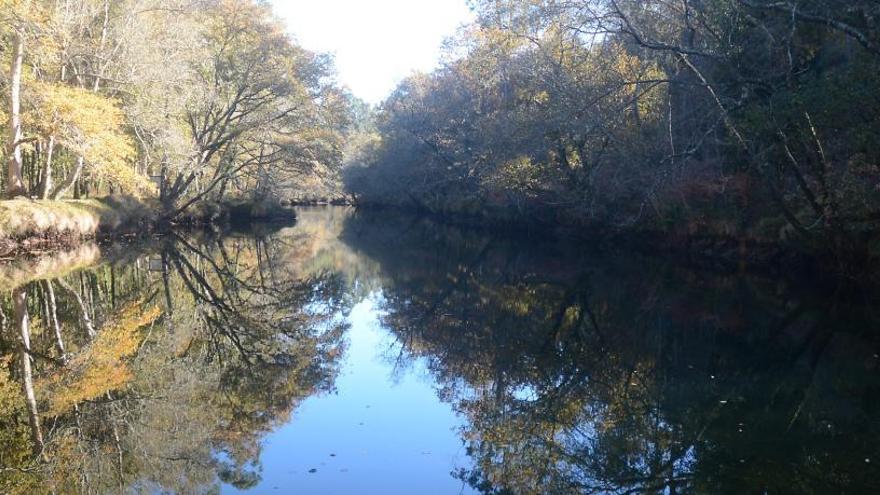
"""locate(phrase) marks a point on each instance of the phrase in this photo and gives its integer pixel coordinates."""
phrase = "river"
(383, 353)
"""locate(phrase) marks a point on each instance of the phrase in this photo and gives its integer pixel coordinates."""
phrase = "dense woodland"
(183, 100)
(755, 119)
(748, 119)
(164, 365)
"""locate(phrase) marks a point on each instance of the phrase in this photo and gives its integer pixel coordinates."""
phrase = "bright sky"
(376, 42)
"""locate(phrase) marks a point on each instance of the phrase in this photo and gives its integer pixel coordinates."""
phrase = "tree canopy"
(184, 100)
(730, 118)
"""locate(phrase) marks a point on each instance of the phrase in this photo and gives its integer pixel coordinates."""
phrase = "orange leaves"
(101, 367)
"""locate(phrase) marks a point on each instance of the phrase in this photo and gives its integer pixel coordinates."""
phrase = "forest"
(180, 101)
(737, 119)
(749, 120)
(157, 335)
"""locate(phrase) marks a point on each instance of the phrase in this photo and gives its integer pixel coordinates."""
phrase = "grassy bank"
(28, 226)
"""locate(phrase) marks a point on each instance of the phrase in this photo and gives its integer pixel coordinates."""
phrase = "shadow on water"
(164, 367)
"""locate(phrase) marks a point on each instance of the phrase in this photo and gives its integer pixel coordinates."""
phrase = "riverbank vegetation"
(738, 122)
(186, 102)
(731, 119)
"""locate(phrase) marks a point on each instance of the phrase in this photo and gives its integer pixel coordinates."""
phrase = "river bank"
(851, 255)
(35, 226)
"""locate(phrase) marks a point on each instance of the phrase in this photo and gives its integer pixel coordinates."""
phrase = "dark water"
(370, 353)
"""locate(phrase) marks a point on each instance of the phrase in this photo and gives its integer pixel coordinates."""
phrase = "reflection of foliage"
(101, 367)
(625, 376)
(181, 409)
(15, 447)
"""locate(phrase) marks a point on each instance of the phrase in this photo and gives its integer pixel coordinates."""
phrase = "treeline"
(185, 100)
(740, 118)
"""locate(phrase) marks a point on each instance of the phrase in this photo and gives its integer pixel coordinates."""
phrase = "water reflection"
(581, 372)
(165, 367)
(159, 372)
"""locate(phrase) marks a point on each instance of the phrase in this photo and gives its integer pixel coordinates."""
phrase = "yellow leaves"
(15, 446)
(10, 391)
(639, 78)
(101, 367)
(74, 114)
(18, 11)
(89, 125)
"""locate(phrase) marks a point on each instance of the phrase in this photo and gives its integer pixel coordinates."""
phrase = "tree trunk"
(22, 323)
(84, 313)
(46, 185)
(53, 319)
(14, 183)
(71, 179)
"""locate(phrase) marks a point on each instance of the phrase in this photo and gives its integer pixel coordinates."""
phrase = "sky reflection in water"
(374, 353)
(382, 431)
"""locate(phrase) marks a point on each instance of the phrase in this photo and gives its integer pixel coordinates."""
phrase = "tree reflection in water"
(161, 371)
(601, 373)
(163, 368)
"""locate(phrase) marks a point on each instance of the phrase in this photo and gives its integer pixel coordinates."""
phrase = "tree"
(88, 126)
(256, 93)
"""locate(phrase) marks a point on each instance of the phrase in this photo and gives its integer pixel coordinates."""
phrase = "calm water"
(371, 353)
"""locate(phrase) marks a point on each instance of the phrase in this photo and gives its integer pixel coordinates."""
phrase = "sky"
(376, 43)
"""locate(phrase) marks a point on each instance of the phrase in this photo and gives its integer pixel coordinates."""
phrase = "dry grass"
(55, 265)
(25, 222)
